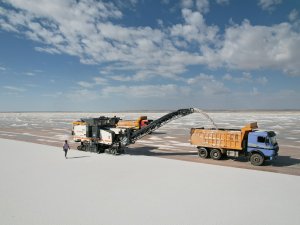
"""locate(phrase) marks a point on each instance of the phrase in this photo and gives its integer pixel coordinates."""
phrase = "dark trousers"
(66, 151)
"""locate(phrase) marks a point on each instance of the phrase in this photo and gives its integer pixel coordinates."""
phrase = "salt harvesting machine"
(104, 135)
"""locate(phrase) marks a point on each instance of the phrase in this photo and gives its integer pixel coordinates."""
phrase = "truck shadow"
(150, 151)
(283, 161)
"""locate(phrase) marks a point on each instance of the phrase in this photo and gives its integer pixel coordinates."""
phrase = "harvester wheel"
(257, 159)
(113, 151)
(203, 153)
(81, 148)
(215, 154)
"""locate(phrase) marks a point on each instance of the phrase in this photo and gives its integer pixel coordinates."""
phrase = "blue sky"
(67, 55)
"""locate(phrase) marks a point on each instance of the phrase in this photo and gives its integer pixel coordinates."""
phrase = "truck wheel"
(215, 154)
(257, 159)
(203, 153)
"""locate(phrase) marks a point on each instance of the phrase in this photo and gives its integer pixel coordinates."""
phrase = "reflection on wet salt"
(184, 145)
(291, 138)
(290, 146)
(8, 135)
(46, 140)
(19, 125)
(155, 138)
(59, 124)
(145, 142)
(277, 127)
(169, 137)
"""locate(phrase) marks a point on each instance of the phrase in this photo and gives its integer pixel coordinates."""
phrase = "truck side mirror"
(267, 142)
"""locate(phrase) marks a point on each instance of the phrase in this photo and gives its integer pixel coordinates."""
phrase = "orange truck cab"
(141, 122)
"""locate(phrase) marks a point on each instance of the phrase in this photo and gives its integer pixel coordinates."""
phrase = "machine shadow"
(149, 151)
(157, 133)
(78, 157)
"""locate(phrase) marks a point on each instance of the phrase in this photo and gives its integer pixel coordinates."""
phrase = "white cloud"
(95, 81)
(85, 84)
(208, 85)
(194, 29)
(85, 29)
(222, 2)
(31, 74)
(200, 78)
(82, 95)
(293, 15)
(100, 80)
(121, 78)
(166, 2)
(131, 91)
(187, 4)
(47, 50)
(14, 89)
(202, 5)
(262, 80)
(248, 47)
(295, 20)
(143, 91)
(54, 95)
(2, 68)
(227, 77)
(269, 4)
(246, 78)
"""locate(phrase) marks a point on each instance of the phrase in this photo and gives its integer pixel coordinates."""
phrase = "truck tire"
(202, 153)
(215, 154)
(257, 159)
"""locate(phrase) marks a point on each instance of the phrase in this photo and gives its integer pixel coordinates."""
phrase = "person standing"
(66, 147)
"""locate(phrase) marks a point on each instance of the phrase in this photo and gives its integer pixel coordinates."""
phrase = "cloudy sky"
(93, 55)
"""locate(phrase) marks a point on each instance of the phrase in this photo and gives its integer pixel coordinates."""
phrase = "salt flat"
(171, 140)
(40, 186)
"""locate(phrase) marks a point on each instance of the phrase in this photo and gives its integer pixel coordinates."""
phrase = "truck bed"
(220, 138)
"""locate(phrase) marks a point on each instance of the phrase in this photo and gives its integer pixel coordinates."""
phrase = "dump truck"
(141, 122)
(256, 145)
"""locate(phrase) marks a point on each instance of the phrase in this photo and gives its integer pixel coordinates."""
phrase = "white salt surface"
(39, 186)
